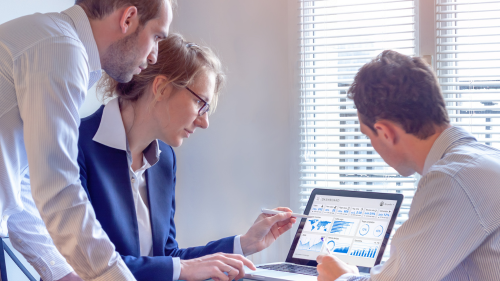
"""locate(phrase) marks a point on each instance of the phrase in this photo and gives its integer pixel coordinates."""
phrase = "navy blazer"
(104, 173)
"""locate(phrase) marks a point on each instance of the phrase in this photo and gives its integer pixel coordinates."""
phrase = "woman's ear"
(161, 87)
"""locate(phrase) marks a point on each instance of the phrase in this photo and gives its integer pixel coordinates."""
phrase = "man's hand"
(214, 266)
(330, 268)
(265, 230)
(71, 277)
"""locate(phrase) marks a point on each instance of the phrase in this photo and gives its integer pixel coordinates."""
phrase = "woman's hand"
(330, 268)
(214, 266)
(265, 230)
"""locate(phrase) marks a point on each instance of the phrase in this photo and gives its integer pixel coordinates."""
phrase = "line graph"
(310, 242)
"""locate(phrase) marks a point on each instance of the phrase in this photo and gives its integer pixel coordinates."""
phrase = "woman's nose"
(202, 121)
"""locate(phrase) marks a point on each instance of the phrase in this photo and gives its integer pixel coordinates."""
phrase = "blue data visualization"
(318, 224)
(344, 226)
(372, 229)
(338, 245)
(310, 243)
(366, 250)
(364, 229)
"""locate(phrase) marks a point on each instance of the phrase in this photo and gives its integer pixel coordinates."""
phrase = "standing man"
(453, 227)
(47, 64)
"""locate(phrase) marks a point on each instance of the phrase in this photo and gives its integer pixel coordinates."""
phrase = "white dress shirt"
(111, 133)
(47, 64)
(453, 227)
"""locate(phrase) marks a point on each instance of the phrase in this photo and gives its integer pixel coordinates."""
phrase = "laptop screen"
(351, 228)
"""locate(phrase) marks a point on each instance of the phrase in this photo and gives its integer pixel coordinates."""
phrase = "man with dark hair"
(47, 64)
(453, 227)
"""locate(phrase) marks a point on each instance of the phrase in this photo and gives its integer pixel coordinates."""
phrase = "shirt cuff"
(346, 277)
(237, 246)
(177, 268)
(52, 266)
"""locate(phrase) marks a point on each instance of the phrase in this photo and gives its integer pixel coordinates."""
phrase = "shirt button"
(5, 217)
(132, 180)
(52, 262)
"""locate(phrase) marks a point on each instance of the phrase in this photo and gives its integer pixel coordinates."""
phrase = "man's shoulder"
(472, 169)
(23, 33)
(467, 158)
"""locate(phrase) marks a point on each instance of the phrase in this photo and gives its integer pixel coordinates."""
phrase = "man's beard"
(120, 58)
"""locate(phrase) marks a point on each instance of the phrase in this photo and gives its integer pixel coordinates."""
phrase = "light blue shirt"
(453, 227)
(47, 64)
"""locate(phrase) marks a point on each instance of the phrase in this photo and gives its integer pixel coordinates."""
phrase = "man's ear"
(129, 20)
(387, 131)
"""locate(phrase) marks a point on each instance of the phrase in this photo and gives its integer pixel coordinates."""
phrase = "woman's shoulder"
(167, 153)
(91, 122)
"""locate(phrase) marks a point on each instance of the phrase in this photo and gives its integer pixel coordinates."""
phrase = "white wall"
(242, 162)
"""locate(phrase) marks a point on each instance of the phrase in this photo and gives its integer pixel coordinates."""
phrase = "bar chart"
(344, 226)
(364, 249)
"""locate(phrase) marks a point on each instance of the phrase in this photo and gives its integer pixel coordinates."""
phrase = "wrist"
(246, 245)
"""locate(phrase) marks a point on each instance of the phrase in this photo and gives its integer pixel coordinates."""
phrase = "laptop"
(352, 225)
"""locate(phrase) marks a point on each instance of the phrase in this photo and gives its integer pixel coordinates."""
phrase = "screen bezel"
(347, 193)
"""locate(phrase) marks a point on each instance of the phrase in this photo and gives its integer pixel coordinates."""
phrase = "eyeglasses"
(204, 108)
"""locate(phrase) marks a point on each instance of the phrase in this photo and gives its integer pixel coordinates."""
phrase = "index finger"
(241, 258)
(283, 209)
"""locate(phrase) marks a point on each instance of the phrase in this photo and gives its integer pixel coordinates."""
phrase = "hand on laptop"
(330, 268)
(265, 230)
(213, 266)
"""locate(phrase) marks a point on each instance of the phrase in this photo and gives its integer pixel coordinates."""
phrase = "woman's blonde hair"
(178, 60)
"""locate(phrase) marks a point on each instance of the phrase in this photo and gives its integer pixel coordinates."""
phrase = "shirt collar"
(84, 31)
(447, 138)
(111, 132)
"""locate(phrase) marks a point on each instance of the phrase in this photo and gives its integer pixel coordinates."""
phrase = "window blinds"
(337, 38)
(468, 65)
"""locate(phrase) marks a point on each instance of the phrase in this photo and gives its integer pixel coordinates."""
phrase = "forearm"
(29, 236)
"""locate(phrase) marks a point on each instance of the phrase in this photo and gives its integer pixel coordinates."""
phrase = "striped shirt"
(47, 64)
(453, 227)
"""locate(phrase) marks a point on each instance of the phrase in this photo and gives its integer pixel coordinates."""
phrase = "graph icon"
(378, 231)
(372, 229)
(364, 229)
(310, 243)
(338, 245)
(320, 224)
(344, 226)
(366, 250)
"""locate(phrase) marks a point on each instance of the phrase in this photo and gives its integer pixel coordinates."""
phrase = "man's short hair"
(401, 89)
(146, 9)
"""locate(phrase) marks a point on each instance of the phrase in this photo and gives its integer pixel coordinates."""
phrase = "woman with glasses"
(128, 167)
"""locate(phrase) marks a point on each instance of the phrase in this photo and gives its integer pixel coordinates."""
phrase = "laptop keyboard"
(293, 268)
